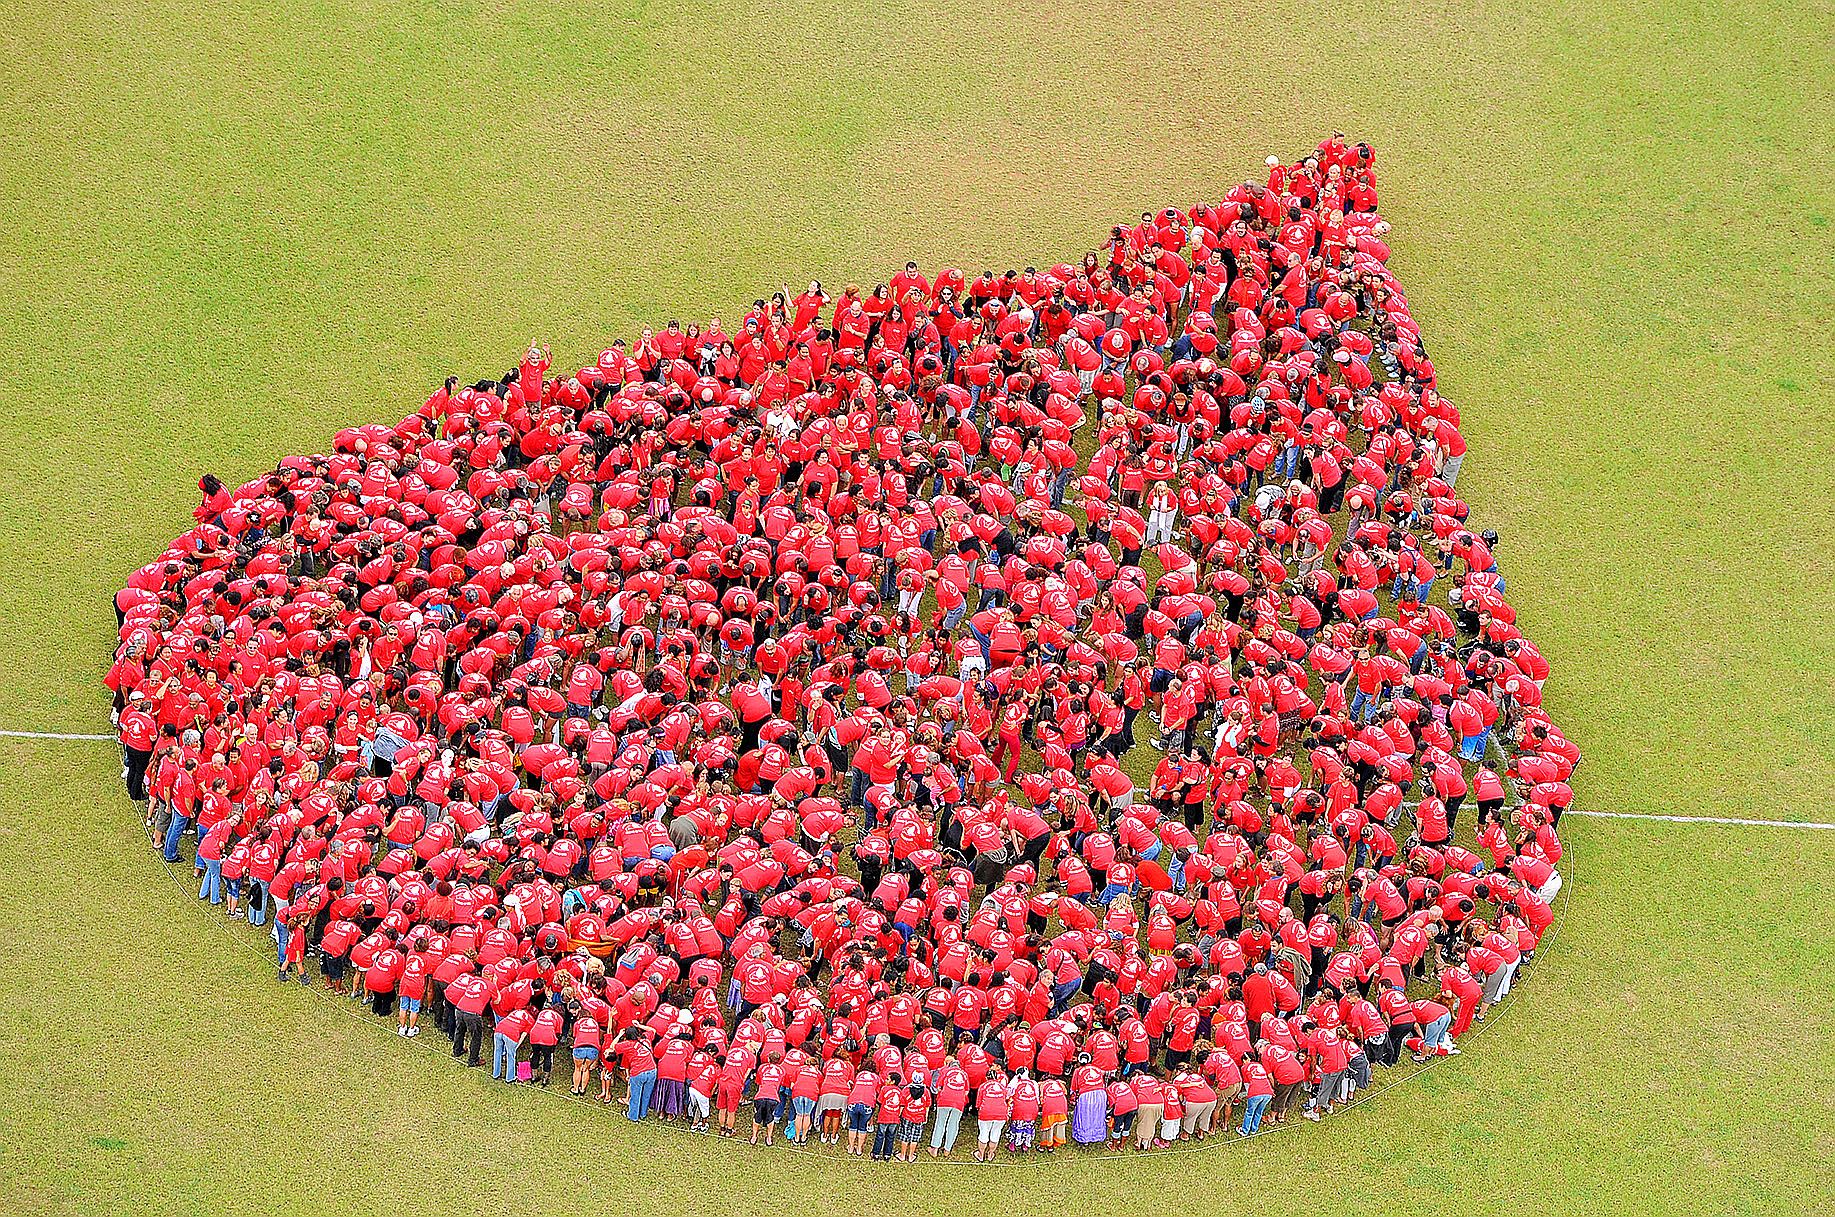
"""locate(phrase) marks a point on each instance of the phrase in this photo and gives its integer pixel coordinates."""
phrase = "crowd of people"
(1034, 709)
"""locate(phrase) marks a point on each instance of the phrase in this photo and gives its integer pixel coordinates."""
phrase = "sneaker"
(401, 1030)
(282, 976)
(1314, 1116)
(414, 1031)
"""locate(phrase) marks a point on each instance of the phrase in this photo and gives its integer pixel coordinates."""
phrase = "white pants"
(1159, 527)
(1548, 890)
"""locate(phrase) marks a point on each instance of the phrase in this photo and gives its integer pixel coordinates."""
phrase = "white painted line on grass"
(53, 735)
(1572, 811)
(1633, 815)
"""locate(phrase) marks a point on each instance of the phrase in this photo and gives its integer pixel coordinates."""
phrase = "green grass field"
(226, 233)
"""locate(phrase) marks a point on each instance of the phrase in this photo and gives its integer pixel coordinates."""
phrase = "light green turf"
(223, 234)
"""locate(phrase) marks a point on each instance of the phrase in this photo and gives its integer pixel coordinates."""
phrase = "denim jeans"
(884, 1135)
(211, 888)
(1435, 1035)
(257, 902)
(643, 1085)
(503, 1057)
(1252, 1114)
(281, 934)
(173, 833)
(949, 1123)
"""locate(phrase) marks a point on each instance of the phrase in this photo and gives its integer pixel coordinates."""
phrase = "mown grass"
(228, 232)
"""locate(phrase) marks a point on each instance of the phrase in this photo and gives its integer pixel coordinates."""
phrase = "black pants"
(1397, 1033)
(442, 1011)
(137, 761)
(470, 1028)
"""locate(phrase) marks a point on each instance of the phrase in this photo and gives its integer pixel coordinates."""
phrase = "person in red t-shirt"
(911, 1127)
(888, 1115)
(991, 1115)
(769, 1084)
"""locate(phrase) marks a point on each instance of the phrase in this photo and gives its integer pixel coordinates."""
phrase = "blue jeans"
(212, 887)
(174, 833)
(1362, 705)
(1435, 1035)
(1252, 1114)
(257, 902)
(1061, 994)
(503, 1057)
(643, 1085)
(954, 617)
(281, 934)
(949, 1123)
(1472, 748)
